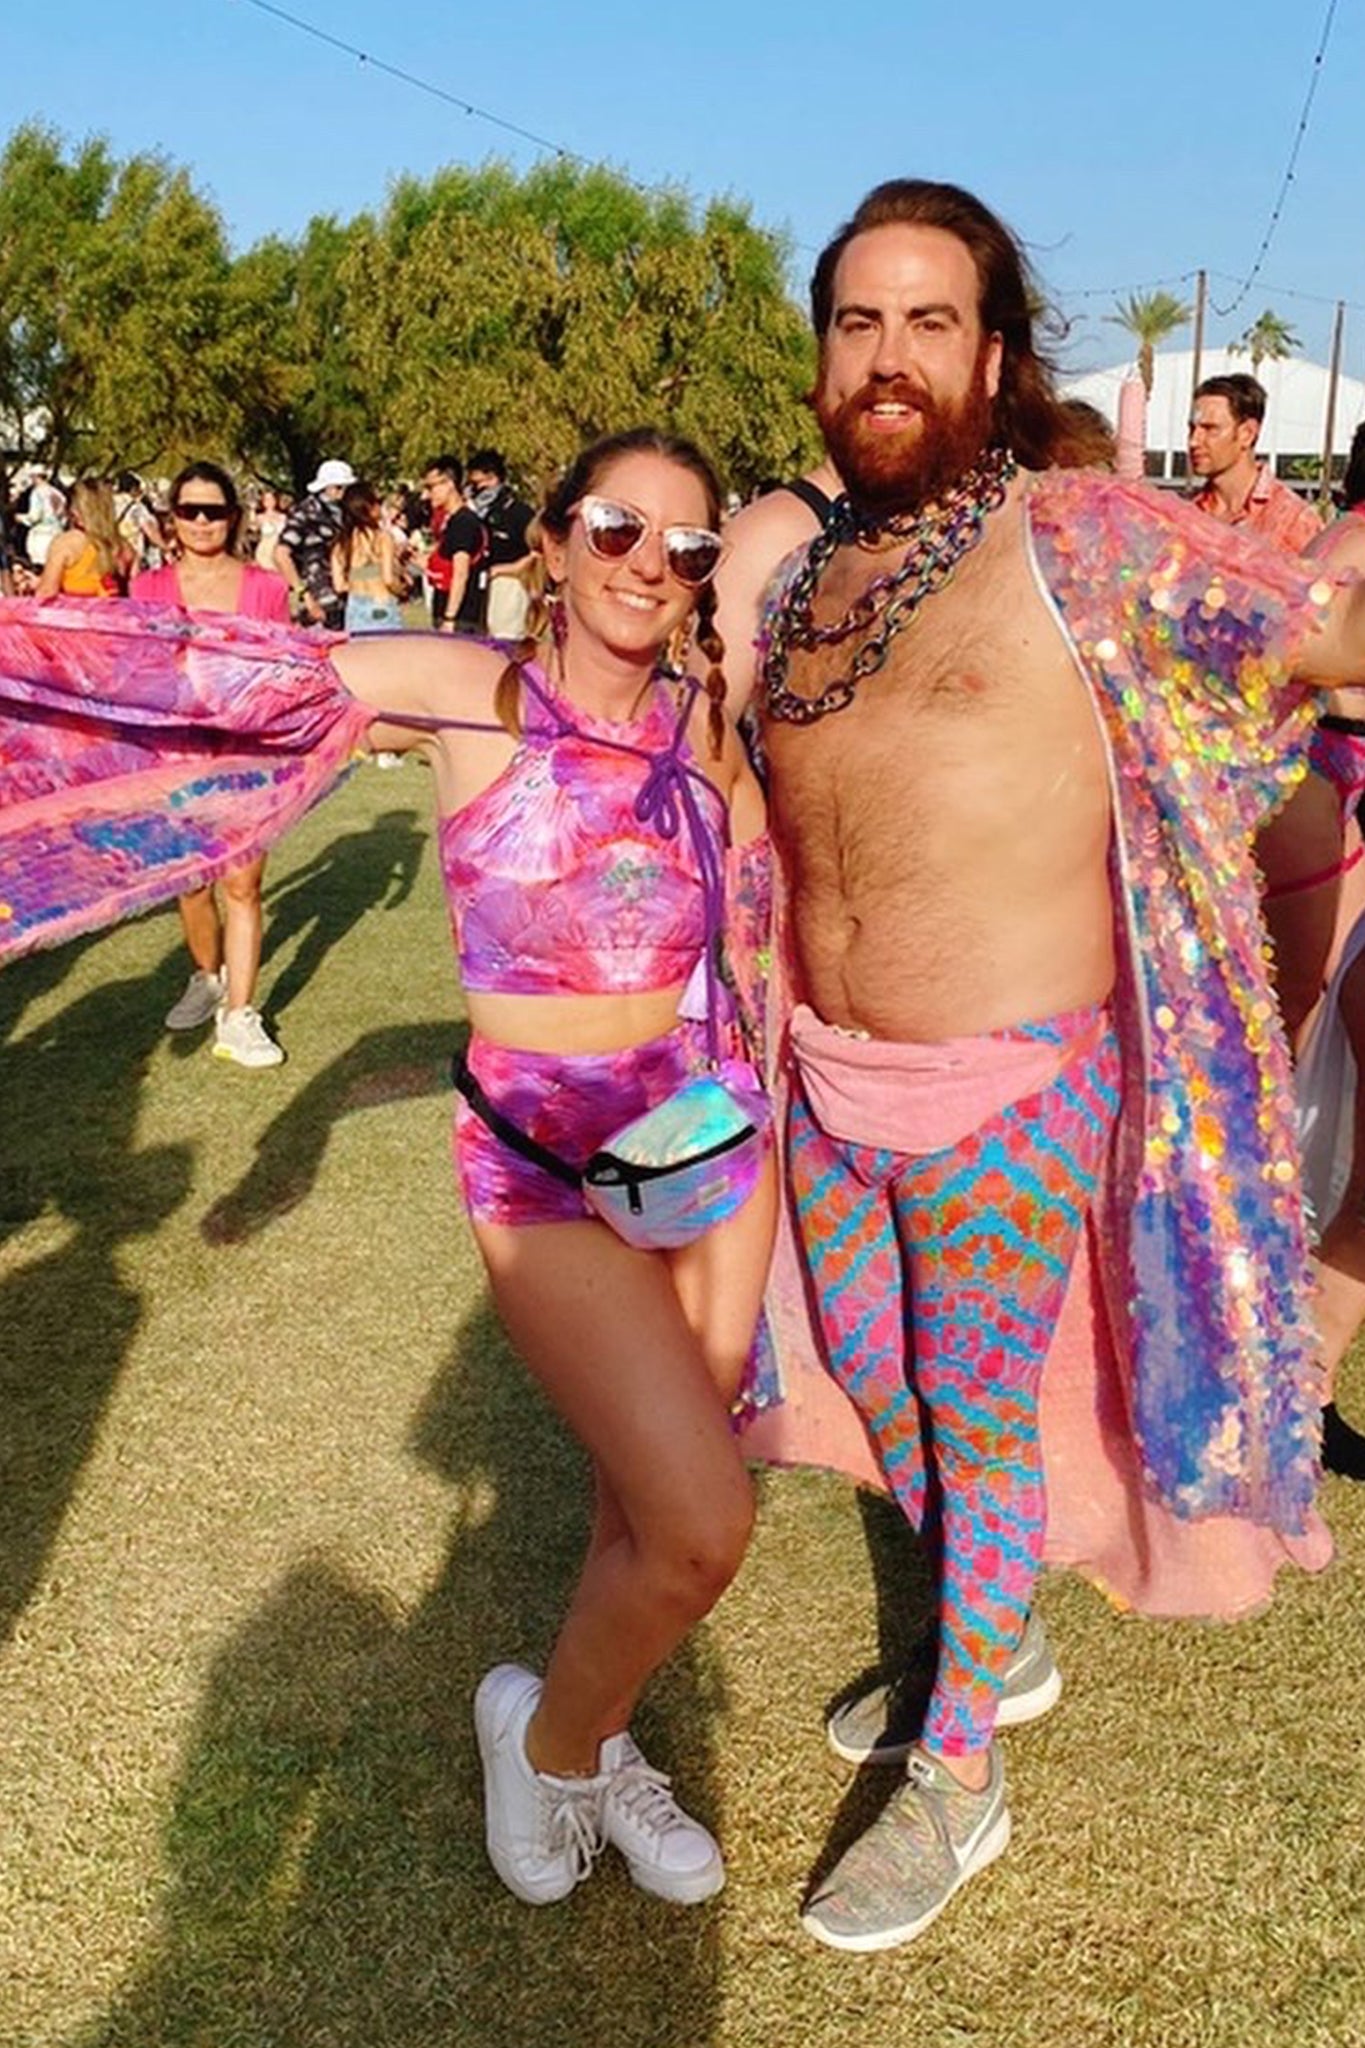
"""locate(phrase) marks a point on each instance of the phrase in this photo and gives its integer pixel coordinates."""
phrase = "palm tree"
(1268, 340)
(1149, 317)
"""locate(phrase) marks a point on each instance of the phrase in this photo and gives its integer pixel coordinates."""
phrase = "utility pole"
(1329, 425)
(1201, 289)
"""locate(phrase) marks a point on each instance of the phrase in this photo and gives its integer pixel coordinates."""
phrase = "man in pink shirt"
(1225, 424)
(1300, 849)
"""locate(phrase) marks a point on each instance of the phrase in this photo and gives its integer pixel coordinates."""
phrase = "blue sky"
(1126, 143)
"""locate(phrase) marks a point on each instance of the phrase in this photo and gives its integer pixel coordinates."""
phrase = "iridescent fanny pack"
(677, 1170)
(670, 1174)
(683, 1166)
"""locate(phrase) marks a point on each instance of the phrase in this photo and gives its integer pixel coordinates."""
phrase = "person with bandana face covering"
(506, 519)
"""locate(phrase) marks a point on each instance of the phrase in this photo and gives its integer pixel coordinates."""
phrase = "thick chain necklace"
(939, 536)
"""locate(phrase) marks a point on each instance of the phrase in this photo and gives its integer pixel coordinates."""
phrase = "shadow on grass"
(326, 1879)
(73, 1174)
(395, 1064)
(320, 903)
(26, 981)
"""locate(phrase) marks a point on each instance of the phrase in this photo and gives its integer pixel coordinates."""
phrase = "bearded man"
(1020, 723)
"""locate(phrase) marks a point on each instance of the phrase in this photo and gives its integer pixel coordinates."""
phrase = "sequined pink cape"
(1180, 1401)
(144, 750)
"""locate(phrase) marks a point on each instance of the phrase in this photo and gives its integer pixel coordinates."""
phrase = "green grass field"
(274, 1493)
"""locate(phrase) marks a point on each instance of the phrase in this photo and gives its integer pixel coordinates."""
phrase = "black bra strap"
(812, 497)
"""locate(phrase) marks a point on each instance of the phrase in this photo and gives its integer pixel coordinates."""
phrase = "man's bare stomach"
(919, 968)
(947, 877)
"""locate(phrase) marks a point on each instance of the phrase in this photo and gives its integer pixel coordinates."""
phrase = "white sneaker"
(542, 1832)
(241, 1035)
(203, 993)
(668, 1852)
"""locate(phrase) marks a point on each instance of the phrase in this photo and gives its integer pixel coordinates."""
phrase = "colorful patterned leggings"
(939, 1279)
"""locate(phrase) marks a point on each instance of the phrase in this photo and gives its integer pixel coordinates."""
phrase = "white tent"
(1296, 403)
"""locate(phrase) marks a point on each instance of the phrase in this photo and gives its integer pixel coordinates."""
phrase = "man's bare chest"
(984, 653)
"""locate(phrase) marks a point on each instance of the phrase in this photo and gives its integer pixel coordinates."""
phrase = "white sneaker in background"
(241, 1035)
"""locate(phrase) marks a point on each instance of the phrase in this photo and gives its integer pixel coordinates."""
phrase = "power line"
(565, 155)
(450, 99)
(1113, 291)
(1289, 291)
(437, 92)
(1280, 291)
(1288, 178)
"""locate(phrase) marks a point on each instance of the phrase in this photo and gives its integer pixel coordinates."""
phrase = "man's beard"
(886, 473)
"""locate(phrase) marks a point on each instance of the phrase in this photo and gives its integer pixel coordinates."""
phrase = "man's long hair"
(1028, 415)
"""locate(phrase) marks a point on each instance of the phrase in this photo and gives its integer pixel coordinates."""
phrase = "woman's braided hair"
(544, 617)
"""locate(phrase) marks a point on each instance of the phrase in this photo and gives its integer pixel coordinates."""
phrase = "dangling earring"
(559, 622)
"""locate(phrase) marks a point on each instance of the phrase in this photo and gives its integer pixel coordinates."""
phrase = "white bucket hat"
(331, 474)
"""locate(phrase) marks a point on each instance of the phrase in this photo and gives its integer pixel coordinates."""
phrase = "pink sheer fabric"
(145, 751)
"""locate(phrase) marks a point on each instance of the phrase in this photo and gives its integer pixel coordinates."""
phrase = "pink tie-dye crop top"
(584, 868)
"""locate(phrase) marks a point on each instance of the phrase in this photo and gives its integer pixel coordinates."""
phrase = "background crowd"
(351, 552)
(345, 555)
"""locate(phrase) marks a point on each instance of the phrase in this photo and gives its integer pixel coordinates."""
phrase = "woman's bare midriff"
(575, 1024)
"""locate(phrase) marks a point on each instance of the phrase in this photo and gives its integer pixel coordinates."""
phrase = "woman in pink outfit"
(564, 782)
(224, 947)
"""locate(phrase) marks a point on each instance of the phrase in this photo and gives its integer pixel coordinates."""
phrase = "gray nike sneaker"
(882, 1723)
(924, 1845)
(202, 994)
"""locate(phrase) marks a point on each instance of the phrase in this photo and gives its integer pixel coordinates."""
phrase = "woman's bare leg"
(646, 1389)
(203, 930)
(1302, 840)
(242, 931)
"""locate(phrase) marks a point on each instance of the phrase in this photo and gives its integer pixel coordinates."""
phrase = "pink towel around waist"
(919, 1098)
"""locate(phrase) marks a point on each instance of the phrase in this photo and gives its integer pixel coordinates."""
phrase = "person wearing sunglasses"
(579, 921)
(224, 945)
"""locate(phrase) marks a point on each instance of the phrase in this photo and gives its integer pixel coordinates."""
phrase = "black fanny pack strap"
(502, 1128)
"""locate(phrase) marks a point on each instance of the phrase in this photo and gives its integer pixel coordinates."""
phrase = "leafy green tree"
(475, 306)
(303, 396)
(1149, 317)
(47, 208)
(535, 313)
(114, 277)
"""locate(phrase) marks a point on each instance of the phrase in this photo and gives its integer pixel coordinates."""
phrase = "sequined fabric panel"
(1187, 633)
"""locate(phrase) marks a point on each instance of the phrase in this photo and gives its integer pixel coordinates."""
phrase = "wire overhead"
(437, 92)
(1288, 179)
(570, 156)
(1114, 291)
(450, 99)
